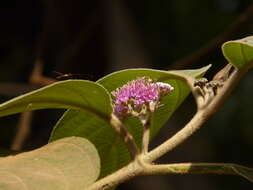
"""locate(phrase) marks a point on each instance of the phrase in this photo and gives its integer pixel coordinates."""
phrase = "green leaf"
(76, 94)
(112, 151)
(70, 163)
(96, 130)
(239, 52)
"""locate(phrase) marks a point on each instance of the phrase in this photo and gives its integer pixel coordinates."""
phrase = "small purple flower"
(137, 95)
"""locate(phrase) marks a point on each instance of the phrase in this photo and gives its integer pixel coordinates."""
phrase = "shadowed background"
(94, 38)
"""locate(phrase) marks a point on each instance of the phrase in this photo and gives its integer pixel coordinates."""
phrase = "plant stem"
(195, 168)
(146, 134)
(202, 115)
(127, 138)
(145, 139)
(139, 168)
(177, 139)
(131, 170)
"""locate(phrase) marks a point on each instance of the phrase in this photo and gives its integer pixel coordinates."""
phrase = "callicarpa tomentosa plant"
(103, 138)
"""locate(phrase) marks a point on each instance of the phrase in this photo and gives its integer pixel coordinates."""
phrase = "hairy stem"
(127, 138)
(196, 168)
(146, 133)
(139, 168)
(177, 139)
(145, 139)
(131, 170)
(202, 115)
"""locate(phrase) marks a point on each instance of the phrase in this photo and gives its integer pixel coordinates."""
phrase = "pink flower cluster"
(138, 93)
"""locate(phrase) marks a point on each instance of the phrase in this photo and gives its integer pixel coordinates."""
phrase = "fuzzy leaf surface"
(67, 164)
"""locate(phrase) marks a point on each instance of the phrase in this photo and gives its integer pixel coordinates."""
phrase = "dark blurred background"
(94, 38)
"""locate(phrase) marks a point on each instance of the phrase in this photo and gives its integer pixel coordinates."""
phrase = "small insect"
(66, 76)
